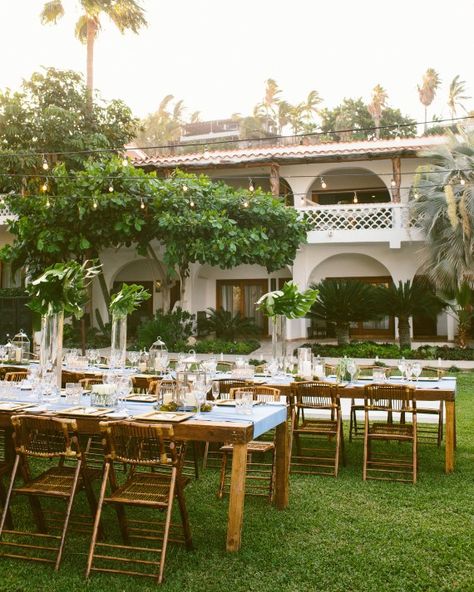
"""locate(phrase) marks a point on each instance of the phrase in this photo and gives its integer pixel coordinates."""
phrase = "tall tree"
(456, 96)
(427, 90)
(127, 15)
(377, 106)
(164, 125)
(444, 211)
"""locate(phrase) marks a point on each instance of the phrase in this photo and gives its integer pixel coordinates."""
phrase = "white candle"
(142, 366)
(167, 398)
(18, 354)
(306, 368)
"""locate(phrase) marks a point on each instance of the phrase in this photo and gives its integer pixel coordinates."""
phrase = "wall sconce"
(158, 285)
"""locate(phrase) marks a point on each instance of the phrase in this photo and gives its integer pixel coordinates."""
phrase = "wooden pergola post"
(397, 177)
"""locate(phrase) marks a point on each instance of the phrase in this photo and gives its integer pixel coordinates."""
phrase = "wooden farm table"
(443, 390)
(214, 429)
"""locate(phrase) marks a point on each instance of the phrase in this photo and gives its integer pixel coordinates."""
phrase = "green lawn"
(337, 535)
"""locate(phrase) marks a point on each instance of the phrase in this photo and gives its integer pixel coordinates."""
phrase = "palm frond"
(52, 12)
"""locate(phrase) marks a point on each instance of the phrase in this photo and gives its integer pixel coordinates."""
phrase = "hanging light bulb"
(323, 183)
(94, 204)
(462, 181)
(246, 203)
(44, 187)
(185, 188)
(111, 188)
(355, 199)
(48, 203)
(142, 205)
(416, 195)
(192, 204)
(251, 186)
(392, 183)
(125, 162)
(45, 164)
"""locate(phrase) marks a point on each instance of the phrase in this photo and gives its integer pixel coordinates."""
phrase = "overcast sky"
(216, 55)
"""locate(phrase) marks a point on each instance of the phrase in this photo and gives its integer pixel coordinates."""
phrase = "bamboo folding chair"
(259, 472)
(87, 382)
(45, 438)
(398, 401)
(16, 376)
(316, 419)
(356, 428)
(153, 481)
(225, 387)
(426, 433)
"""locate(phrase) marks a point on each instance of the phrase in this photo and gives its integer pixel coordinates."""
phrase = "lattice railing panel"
(351, 217)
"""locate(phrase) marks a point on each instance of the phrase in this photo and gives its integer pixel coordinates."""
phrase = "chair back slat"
(226, 384)
(45, 436)
(16, 376)
(137, 443)
(259, 393)
(392, 397)
(315, 395)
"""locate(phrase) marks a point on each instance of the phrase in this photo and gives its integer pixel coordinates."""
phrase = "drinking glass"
(70, 392)
(200, 396)
(124, 388)
(133, 357)
(215, 390)
(352, 369)
(416, 370)
(408, 371)
(402, 364)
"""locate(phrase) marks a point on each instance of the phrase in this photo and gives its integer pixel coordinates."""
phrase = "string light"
(142, 205)
(185, 188)
(191, 203)
(355, 199)
(462, 181)
(393, 183)
(323, 183)
(94, 204)
(45, 164)
(44, 187)
(48, 203)
(125, 162)
(251, 186)
(111, 188)
(246, 203)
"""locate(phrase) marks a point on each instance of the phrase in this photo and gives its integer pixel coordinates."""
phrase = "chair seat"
(252, 446)
(56, 481)
(391, 430)
(315, 426)
(143, 489)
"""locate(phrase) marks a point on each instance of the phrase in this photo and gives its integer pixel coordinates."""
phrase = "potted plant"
(61, 290)
(123, 303)
(287, 303)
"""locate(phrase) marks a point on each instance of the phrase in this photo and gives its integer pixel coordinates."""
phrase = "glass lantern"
(158, 356)
(21, 345)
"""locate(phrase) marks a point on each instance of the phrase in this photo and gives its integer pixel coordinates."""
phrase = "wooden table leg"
(449, 460)
(237, 496)
(280, 499)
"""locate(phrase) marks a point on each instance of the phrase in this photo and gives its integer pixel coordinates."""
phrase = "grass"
(338, 535)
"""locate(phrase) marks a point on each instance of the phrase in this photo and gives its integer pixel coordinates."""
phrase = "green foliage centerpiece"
(61, 290)
(287, 303)
(123, 303)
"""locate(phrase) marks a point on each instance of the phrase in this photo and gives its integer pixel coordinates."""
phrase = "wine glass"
(416, 370)
(352, 369)
(133, 357)
(408, 371)
(124, 388)
(402, 364)
(200, 396)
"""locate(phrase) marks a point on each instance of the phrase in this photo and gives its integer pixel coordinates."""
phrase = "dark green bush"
(217, 346)
(174, 329)
(94, 337)
(230, 327)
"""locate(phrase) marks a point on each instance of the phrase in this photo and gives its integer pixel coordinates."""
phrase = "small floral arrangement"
(288, 302)
(128, 299)
(62, 288)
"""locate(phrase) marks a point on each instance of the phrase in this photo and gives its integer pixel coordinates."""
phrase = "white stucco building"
(357, 195)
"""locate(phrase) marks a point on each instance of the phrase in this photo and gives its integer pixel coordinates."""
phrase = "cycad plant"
(406, 300)
(228, 326)
(343, 301)
(462, 308)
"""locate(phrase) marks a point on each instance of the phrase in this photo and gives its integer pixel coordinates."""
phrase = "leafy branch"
(62, 287)
(288, 302)
(128, 299)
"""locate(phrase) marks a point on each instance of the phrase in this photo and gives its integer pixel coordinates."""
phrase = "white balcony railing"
(5, 213)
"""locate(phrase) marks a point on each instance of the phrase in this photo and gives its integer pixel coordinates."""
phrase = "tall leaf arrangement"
(444, 209)
(288, 302)
(128, 299)
(62, 287)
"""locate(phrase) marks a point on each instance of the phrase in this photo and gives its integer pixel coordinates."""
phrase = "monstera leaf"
(128, 299)
(288, 302)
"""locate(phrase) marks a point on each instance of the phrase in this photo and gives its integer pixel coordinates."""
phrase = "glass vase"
(118, 345)
(278, 336)
(51, 346)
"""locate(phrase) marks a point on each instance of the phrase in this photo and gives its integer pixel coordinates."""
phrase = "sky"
(216, 55)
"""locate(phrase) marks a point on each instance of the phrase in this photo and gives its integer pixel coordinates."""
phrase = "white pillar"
(451, 327)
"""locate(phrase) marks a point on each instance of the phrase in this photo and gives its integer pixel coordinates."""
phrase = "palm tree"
(377, 105)
(428, 88)
(444, 211)
(228, 326)
(407, 300)
(125, 14)
(343, 301)
(457, 88)
(462, 307)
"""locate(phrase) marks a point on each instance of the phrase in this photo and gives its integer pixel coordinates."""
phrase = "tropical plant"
(128, 299)
(456, 96)
(377, 106)
(462, 308)
(127, 15)
(427, 90)
(444, 211)
(62, 288)
(406, 300)
(342, 302)
(164, 125)
(230, 326)
(174, 329)
(288, 302)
